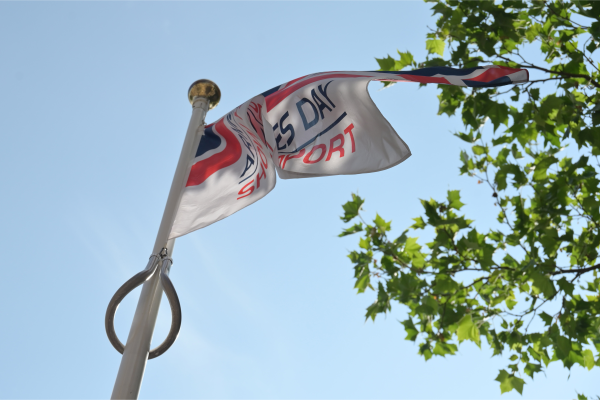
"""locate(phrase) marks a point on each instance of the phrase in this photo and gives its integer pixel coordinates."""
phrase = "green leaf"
(381, 224)
(444, 284)
(588, 359)
(541, 167)
(429, 306)
(363, 281)
(502, 140)
(441, 349)
(467, 330)
(550, 241)
(531, 368)
(352, 208)
(387, 263)
(406, 59)
(435, 46)
(454, 199)
(479, 150)
(498, 114)
(466, 137)
(381, 305)
(562, 347)
(565, 286)
(411, 247)
(353, 229)
(509, 382)
(425, 350)
(410, 329)
(365, 243)
(546, 318)
(419, 223)
(511, 303)
(386, 64)
(542, 284)
(520, 178)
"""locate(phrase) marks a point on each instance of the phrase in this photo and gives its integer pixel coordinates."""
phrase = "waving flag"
(317, 125)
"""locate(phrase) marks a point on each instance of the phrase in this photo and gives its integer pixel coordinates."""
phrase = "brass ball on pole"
(207, 89)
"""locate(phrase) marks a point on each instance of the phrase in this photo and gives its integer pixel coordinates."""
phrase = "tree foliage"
(529, 287)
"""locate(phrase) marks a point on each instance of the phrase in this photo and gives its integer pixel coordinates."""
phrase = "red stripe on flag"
(425, 79)
(493, 74)
(230, 154)
(290, 83)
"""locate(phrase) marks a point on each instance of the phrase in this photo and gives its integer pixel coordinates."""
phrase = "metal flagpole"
(203, 95)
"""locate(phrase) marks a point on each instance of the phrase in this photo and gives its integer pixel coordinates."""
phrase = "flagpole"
(203, 95)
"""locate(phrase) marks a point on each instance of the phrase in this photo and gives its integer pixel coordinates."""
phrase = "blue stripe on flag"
(209, 141)
(271, 91)
(337, 121)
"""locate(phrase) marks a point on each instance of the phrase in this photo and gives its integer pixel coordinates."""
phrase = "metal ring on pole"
(171, 294)
(124, 290)
(131, 284)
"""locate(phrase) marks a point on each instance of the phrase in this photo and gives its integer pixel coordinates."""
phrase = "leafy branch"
(543, 253)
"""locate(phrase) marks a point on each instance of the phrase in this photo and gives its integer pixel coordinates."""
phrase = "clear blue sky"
(94, 111)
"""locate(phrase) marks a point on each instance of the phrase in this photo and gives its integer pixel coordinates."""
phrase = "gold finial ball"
(207, 89)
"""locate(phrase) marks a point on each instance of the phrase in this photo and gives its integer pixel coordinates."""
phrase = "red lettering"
(261, 153)
(281, 160)
(261, 173)
(263, 158)
(248, 131)
(333, 149)
(245, 191)
(236, 114)
(255, 107)
(349, 130)
(307, 159)
(289, 157)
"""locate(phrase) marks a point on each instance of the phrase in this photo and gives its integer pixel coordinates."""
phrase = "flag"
(317, 125)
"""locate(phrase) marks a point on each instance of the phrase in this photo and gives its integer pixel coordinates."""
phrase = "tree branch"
(576, 271)
(544, 80)
(589, 78)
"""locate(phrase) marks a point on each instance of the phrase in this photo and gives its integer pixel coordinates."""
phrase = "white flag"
(318, 125)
